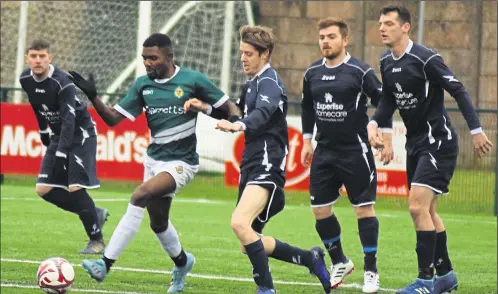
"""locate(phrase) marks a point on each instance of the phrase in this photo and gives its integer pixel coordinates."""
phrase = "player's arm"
(43, 125)
(308, 120)
(211, 100)
(108, 114)
(307, 111)
(438, 72)
(227, 110)
(373, 88)
(236, 110)
(383, 113)
(67, 112)
(268, 100)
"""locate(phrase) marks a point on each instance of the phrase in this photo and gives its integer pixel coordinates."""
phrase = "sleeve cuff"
(307, 136)
(373, 122)
(387, 130)
(209, 110)
(60, 154)
(242, 124)
(476, 131)
(45, 131)
(124, 112)
(221, 101)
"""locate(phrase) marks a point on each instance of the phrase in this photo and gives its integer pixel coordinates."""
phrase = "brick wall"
(463, 32)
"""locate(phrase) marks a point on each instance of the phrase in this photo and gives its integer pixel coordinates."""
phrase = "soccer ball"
(55, 275)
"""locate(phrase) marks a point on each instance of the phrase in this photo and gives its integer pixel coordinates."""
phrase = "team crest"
(179, 169)
(179, 92)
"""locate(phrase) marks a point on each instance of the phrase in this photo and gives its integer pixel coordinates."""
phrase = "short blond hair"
(334, 21)
(260, 37)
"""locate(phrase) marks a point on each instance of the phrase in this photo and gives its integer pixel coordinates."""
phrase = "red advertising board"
(120, 150)
(391, 179)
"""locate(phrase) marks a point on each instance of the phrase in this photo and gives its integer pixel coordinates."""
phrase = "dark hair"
(403, 13)
(159, 40)
(334, 21)
(39, 44)
(260, 37)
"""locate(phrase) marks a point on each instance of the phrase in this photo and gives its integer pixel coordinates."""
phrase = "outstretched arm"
(108, 114)
(227, 110)
(438, 72)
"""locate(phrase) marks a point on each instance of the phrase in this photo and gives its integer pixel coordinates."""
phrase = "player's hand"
(195, 105)
(387, 154)
(375, 136)
(226, 126)
(481, 143)
(307, 153)
(45, 138)
(87, 86)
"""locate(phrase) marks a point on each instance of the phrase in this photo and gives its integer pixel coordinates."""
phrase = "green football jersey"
(172, 130)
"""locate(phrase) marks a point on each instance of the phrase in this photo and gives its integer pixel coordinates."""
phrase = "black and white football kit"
(74, 138)
(414, 83)
(335, 99)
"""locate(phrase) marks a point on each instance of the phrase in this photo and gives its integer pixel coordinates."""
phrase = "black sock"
(330, 233)
(180, 260)
(108, 262)
(87, 214)
(369, 234)
(61, 198)
(259, 260)
(426, 244)
(441, 259)
(291, 254)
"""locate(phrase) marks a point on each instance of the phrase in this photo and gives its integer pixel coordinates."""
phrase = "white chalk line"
(219, 202)
(21, 286)
(193, 275)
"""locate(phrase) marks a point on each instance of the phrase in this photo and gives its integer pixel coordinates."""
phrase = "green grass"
(35, 230)
(471, 191)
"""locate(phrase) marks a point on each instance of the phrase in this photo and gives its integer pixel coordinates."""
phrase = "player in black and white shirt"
(69, 165)
(335, 91)
(414, 79)
(262, 179)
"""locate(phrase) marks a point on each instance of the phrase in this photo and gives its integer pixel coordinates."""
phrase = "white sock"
(170, 241)
(125, 231)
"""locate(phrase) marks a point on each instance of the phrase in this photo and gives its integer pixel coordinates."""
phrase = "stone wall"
(463, 32)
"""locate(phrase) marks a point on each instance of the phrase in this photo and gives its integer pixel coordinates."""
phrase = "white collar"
(346, 59)
(162, 81)
(407, 50)
(265, 67)
(49, 75)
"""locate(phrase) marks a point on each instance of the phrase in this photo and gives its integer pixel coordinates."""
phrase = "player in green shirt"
(171, 161)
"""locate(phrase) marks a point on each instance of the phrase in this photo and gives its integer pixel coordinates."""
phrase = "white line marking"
(219, 202)
(203, 201)
(200, 276)
(10, 285)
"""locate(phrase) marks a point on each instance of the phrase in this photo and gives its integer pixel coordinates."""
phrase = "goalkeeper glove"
(87, 86)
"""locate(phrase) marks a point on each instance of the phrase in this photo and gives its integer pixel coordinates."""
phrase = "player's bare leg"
(251, 204)
(160, 224)
(242, 224)
(129, 224)
(329, 230)
(419, 204)
(368, 228)
(445, 280)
